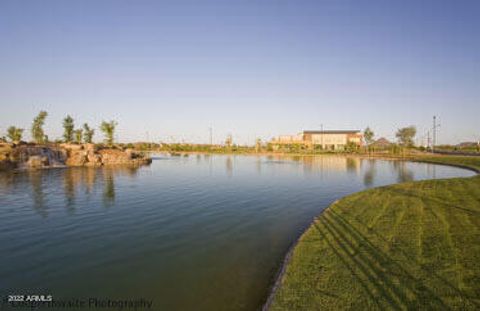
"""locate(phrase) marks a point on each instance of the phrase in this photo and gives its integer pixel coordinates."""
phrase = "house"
(381, 143)
(332, 140)
(326, 140)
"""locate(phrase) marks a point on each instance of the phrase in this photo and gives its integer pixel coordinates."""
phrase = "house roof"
(382, 142)
(333, 132)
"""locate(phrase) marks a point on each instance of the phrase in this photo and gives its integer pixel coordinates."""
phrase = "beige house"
(328, 140)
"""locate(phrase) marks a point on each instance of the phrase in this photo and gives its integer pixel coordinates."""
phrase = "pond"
(204, 232)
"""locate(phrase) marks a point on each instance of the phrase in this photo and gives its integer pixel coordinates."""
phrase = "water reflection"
(258, 166)
(353, 165)
(90, 177)
(70, 180)
(208, 160)
(370, 172)
(229, 166)
(403, 173)
(76, 185)
(38, 194)
(108, 179)
(330, 163)
(108, 187)
(195, 222)
(43, 183)
(432, 171)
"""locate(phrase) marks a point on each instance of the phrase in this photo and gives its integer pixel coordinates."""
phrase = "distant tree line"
(405, 139)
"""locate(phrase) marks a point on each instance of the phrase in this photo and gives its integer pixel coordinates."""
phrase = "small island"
(75, 149)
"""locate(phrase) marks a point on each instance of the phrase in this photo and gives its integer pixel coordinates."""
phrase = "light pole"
(428, 139)
(434, 129)
(211, 135)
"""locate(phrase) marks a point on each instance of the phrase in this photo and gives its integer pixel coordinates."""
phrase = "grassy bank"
(414, 245)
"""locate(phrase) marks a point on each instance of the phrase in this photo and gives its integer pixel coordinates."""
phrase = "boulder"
(94, 159)
(26, 156)
(90, 147)
(6, 146)
(5, 150)
(113, 156)
(37, 161)
(76, 158)
(71, 147)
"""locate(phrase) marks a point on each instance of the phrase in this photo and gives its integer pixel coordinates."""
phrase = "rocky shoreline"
(34, 156)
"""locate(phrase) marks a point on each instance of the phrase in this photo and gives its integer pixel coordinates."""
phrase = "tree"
(68, 126)
(87, 134)
(37, 127)
(405, 135)
(108, 129)
(78, 136)
(14, 133)
(368, 135)
(351, 147)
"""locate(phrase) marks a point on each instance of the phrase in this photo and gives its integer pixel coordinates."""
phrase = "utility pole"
(428, 139)
(434, 129)
(211, 135)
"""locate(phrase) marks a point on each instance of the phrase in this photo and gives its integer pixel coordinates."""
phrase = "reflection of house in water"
(229, 166)
(331, 163)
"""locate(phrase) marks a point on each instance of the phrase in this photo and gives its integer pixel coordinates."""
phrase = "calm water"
(196, 233)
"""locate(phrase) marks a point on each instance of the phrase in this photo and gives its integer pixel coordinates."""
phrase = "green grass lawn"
(412, 246)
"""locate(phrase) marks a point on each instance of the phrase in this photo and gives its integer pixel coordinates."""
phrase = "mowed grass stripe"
(408, 246)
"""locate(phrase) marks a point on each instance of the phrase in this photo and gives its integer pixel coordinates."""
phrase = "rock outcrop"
(36, 161)
(31, 156)
(36, 156)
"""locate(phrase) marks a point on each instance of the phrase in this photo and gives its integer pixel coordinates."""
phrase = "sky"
(170, 70)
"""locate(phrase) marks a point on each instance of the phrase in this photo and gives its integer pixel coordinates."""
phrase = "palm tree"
(88, 133)
(78, 136)
(14, 133)
(37, 127)
(68, 126)
(108, 129)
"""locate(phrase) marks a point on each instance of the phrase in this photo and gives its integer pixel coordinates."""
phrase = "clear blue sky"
(250, 68)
